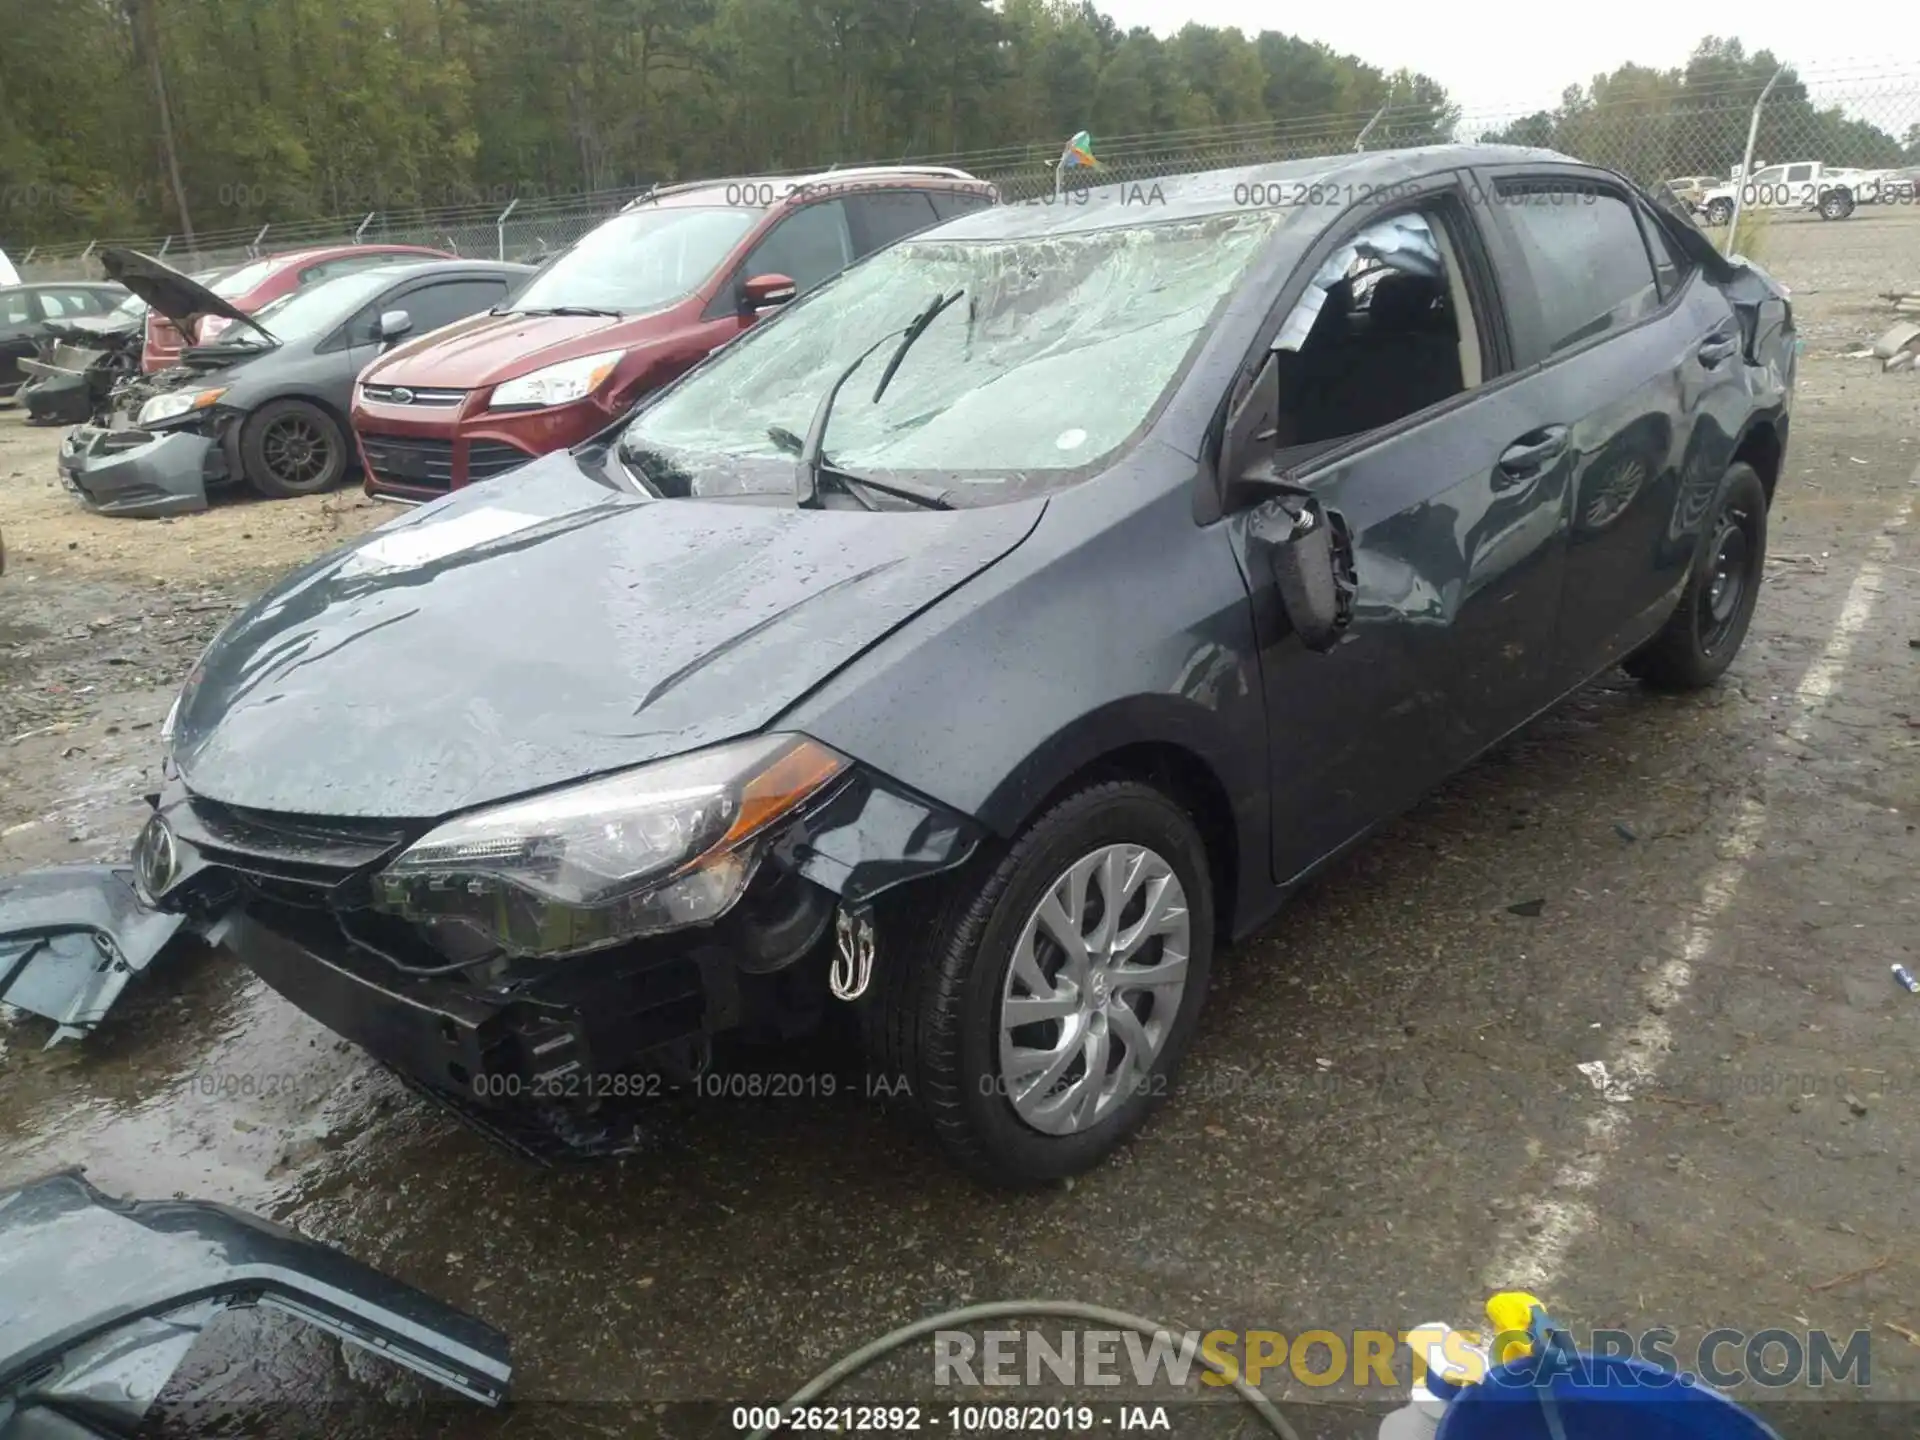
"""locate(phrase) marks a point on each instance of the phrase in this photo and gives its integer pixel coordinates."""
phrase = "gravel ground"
(1384, 1115)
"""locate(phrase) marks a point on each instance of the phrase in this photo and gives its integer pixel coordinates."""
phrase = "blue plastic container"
(1594, 1398)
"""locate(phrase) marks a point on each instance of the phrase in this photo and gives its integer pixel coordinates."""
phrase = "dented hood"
(181, 298)
(546, 627)
(103, 1298)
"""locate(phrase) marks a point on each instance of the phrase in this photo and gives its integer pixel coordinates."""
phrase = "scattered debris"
(1855, 1103)
(1903, 1332)
(1853, 1275)
(1624, 832)
(1596, 1073)
(1905, 977)
(1528, 909)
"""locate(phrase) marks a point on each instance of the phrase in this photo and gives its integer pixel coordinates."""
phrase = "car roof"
(731, 190)
(325, 252)
(1287, 184)
(402, 268)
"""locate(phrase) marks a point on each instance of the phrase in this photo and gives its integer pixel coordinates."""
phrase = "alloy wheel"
(296, 452)
(1093, 987)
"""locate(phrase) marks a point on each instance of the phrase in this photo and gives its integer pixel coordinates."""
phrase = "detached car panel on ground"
(106, 1297)
(267, 401)
(1015, 619)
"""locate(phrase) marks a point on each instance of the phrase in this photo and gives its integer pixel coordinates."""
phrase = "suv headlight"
(163, 408)
(557, 384)
(651, 850)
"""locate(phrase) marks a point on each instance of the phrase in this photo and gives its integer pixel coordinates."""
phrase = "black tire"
(1836, 205)
(1709, 625)
(291, 447)
(932, 1016)
(1720, 212)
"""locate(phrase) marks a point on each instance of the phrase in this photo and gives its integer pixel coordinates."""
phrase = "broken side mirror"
(1310, 552)
(764, 293)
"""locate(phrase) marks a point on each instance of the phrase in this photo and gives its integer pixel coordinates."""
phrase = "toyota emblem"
(156, 858)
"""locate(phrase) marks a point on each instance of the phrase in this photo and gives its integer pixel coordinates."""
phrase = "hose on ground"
(858, 1360)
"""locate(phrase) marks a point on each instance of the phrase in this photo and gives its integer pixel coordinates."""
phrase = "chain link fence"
(1855, 131)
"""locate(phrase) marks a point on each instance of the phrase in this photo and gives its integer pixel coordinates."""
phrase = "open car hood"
(104, 1298)
(180, 298)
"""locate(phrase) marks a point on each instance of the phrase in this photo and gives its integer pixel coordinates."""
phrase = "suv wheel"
(1041, 1017)
(1706, 631)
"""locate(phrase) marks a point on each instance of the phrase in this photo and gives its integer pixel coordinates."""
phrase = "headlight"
(171, 407)
(651, 850)
(557, 384)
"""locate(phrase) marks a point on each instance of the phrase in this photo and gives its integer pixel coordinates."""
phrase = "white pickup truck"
(1831, 190)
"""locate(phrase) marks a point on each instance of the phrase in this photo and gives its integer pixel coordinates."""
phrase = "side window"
(16, 308)
(1385, 329)
(72, 302)
(880, 218)
(1669, 266)
(436, 306)
(949, 203)
(1799, 174)
(1772, 175)
(1586, 256)
(809, 247)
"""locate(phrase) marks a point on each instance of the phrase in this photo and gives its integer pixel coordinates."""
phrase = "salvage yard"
(1395, 1103)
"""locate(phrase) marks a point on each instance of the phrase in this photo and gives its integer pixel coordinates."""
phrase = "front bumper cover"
(105, 1297)
(141, 474)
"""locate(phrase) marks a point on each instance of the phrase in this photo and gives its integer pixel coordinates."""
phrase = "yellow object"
(1511, 1312)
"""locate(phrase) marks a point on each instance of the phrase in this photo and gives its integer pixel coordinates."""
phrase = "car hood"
(547, 627)
(492, 349)
(180, 298)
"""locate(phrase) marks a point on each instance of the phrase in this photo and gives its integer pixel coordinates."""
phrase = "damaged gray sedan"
(982, 643)
(265, 403)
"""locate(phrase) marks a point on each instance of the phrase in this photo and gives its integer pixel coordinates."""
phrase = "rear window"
(1587, 258)
(243, 279)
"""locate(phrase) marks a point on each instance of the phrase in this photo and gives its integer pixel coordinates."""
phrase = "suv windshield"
(1058, 352)
(640, 260)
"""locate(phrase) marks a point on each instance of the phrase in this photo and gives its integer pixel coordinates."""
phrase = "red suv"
(635, 303)
(255, 283)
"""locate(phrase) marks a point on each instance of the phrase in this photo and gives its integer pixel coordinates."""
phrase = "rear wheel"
(1720, 212)
(1836, 205)
(1041, 1016)
(291, 447)
(1706, 631)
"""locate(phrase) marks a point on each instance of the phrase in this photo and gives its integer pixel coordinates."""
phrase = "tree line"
(136, 117)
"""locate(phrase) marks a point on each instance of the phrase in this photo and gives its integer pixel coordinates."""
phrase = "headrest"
(1404, 301)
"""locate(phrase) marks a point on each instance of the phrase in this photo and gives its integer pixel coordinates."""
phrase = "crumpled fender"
(872, 835)
(105, 1297)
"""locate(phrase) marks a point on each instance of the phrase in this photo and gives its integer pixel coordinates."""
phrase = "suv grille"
(411, 395)
(424, 464)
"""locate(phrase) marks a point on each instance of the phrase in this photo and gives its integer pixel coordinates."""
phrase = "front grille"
(487, 459)
(304, 852)
(411, 395)
(418, 464)
(425, 464)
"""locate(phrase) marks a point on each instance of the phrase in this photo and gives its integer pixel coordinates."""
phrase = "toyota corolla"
(986, 641)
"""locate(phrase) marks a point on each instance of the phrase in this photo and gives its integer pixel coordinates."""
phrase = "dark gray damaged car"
(1010, 624)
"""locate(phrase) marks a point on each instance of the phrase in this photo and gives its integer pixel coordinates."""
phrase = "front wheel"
(1836, 205)
(1042, 1016)
(1720, 212)
(1707, 629)
(290, 447)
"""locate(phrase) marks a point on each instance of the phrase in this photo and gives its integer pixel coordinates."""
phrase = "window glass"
(16, 307)
(244, 279)
(1772, 175)
(949, 203)
(1799, 174)
(886, 217)
(438, 306)
(1585, 253)
(809, 247)
(640, 260)
(1669, 266)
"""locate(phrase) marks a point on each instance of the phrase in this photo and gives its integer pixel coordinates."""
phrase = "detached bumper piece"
(141, 474)
(105, 1298)
(72, 938)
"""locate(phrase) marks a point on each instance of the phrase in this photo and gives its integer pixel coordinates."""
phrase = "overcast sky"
(1508, 57)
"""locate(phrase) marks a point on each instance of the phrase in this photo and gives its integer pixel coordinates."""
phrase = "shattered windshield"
(1056, 355)
(640, 260)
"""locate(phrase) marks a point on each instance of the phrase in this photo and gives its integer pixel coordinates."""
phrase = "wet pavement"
(1384, 1115)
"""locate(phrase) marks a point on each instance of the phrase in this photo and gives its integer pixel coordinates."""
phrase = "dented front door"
(1458, 550)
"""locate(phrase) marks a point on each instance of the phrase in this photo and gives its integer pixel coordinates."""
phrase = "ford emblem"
(402, 395)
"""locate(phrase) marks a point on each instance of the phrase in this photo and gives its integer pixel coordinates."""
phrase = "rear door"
(1639, 359)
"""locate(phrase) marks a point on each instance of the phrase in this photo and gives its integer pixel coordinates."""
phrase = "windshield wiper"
(566, 310)
(812, 463)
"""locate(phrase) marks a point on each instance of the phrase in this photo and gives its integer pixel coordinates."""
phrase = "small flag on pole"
(1079, 153)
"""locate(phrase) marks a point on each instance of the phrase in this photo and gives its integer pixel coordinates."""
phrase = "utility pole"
(146, 38)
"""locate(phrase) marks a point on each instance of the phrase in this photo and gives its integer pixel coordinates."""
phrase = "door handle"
(1717, 350)
(1530, 454)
